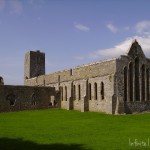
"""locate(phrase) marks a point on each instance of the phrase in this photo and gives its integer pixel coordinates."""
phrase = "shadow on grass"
(19, 144)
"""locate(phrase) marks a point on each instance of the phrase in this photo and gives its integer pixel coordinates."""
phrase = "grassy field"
(57, 129)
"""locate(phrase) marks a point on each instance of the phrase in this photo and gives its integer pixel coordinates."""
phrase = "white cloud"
(2, 5)
(81, 27)
(112, 28)
(143, 27)
(122, 48)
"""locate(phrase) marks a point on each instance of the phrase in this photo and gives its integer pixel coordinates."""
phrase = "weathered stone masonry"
(133, 74)
(16, 98)
(114, 86)
(77, 86)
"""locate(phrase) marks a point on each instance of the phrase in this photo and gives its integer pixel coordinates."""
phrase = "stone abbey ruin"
(115, 86)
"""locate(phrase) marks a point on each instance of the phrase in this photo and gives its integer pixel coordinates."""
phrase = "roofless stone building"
(114, 86)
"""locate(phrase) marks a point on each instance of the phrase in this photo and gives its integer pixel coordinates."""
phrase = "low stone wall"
(136, 107)
(17, 98)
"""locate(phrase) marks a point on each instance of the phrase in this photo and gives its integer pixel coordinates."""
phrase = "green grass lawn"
(56, 129)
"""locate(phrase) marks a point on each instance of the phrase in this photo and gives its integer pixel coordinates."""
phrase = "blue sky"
(70, 32)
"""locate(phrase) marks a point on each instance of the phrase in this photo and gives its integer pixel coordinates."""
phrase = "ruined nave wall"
(17, 98)
(103, 68)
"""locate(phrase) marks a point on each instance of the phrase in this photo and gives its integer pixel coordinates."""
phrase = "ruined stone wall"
(120, 65)
(81, 76)
(102, 104)
(16, 98)
(83, 72)
(137, 107)
(132, 105)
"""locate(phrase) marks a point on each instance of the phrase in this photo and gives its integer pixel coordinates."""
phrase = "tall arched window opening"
(137, 82)
(102, 90)
(74, 92)
(143, 82)
(147, 84)
(34, 99)
(95, 91)
(125, 84)
(79, 92)
(131, 81)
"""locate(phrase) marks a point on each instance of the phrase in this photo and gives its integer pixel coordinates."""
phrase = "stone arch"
(34, 99)
(130, 81)
(125, 83)
(95, 91)
(137, 82)
(74, 92)
(102, 91)
(65, 93)
(11, 98)
(147, 84)
(79, 92)
(89, 91)
(143, 82)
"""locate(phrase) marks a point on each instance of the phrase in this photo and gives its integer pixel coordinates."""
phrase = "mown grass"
(71, 130)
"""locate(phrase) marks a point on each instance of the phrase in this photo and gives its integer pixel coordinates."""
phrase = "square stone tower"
(34, 64)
